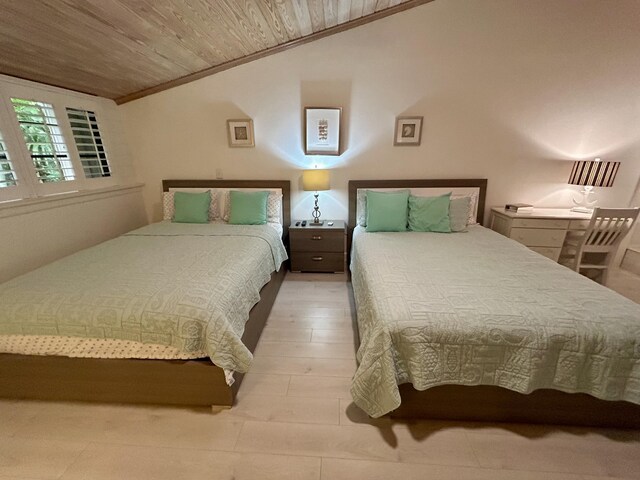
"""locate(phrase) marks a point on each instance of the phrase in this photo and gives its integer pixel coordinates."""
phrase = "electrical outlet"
(219, 173)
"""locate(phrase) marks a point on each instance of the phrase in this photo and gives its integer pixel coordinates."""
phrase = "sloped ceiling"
(126, 49)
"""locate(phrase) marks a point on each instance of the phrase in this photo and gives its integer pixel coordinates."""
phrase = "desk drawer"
(538, 237)
(579, 224)
(317, 262)
(550, 252)
(317, 241)
(540, 223)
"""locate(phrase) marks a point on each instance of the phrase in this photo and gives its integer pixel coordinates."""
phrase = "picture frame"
(240, 132)
(408, 131)
(322, 135)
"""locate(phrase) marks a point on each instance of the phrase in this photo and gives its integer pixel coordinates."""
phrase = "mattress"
(476, 308)
(168, 291)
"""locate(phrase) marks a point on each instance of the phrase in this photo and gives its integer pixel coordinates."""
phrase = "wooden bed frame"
(169, 382)
(489, 403)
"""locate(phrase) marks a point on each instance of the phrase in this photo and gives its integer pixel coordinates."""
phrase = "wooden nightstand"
(543, 230)
(318, 248)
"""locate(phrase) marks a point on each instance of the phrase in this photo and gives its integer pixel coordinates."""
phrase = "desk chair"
(607, 228)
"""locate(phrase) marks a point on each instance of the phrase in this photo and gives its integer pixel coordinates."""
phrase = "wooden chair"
(607, 228)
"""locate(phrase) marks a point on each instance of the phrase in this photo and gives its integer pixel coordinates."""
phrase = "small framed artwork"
(322, 130)
(240, 133)
(408, 131)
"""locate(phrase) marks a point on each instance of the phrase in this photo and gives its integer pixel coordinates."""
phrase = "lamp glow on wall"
(315, 181)
(589, 174)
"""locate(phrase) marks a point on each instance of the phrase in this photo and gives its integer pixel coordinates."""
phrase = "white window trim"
(25, 206)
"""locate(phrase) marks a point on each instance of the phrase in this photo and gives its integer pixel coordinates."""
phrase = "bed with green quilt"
(108, 322)
(475, 326)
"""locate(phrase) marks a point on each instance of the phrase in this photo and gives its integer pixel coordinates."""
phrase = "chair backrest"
(608, 227)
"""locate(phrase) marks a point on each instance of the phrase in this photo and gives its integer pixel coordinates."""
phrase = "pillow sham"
(247, 208)
(429, 214)
(168, 205)
(387, 211)
(361, 207)
(274, 207)
(459, 213)
(191, 207)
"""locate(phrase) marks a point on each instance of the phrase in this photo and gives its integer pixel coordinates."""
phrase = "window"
(89, 143)
(44, 140)
(7, 174)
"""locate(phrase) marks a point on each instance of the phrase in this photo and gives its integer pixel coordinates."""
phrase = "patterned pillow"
(459, 213)
(274, 207)
(473, 206)
(168, 206)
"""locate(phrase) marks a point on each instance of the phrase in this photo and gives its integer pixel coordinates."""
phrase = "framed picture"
(322, 130)
(408, 131)
(241, 133)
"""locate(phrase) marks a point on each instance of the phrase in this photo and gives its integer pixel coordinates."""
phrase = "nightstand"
(318, 248)
(543, 230)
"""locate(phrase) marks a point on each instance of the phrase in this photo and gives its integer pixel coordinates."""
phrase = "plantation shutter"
(86, 134)
(7, 173)
(44, 140)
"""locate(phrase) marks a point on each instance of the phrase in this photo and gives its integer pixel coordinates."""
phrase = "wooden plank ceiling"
(126, 49)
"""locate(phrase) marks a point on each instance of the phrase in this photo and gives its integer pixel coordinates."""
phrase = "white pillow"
(274, 207)
(168, 205)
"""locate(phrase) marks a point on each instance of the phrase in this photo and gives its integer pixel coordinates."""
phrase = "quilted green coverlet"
(478, 308)
(185, 285)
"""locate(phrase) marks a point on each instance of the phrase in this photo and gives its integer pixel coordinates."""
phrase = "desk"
(543, 230)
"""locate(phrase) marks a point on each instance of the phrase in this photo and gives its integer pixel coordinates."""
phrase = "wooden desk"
(543, 230)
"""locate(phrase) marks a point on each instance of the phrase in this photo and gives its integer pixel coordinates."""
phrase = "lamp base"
(582, 209)
(315, 223)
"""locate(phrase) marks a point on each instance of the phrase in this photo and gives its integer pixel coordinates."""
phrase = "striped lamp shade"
(594, 173)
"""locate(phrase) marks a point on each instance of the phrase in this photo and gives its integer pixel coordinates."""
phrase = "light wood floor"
(294, 420)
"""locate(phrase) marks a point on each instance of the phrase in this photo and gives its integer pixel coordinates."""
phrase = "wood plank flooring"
(295, 420)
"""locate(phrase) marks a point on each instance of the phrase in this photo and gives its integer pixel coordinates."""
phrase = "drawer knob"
(316, 237)
(316, 259)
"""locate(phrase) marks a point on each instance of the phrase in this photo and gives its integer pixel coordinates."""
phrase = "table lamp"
(589, 174)
(315, 181)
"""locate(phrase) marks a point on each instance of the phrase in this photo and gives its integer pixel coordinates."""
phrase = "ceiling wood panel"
(126, 49)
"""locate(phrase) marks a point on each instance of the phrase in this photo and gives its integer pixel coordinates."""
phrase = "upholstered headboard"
(420, 187)
(283, 185)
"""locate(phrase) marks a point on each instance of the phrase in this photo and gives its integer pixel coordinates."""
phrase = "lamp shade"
(315, 180)
(595, 173)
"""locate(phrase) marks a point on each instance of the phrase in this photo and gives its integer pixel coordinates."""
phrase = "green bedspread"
(477, 308)
(184, 285)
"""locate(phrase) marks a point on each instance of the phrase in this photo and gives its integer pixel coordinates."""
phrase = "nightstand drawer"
(317, 262)
(540, 223)
(538, 237)
(317, 241)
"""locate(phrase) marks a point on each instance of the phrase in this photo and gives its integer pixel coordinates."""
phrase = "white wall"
(510, 90)
(54, 230)
(34, 232)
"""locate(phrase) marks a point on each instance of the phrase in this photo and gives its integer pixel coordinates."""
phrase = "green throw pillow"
(387, 211)
(429, 214)
(191, 207)
(248, 208)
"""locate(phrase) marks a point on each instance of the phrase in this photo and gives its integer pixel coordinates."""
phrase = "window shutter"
(86, 134)
(44, 140)
(7, 173)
